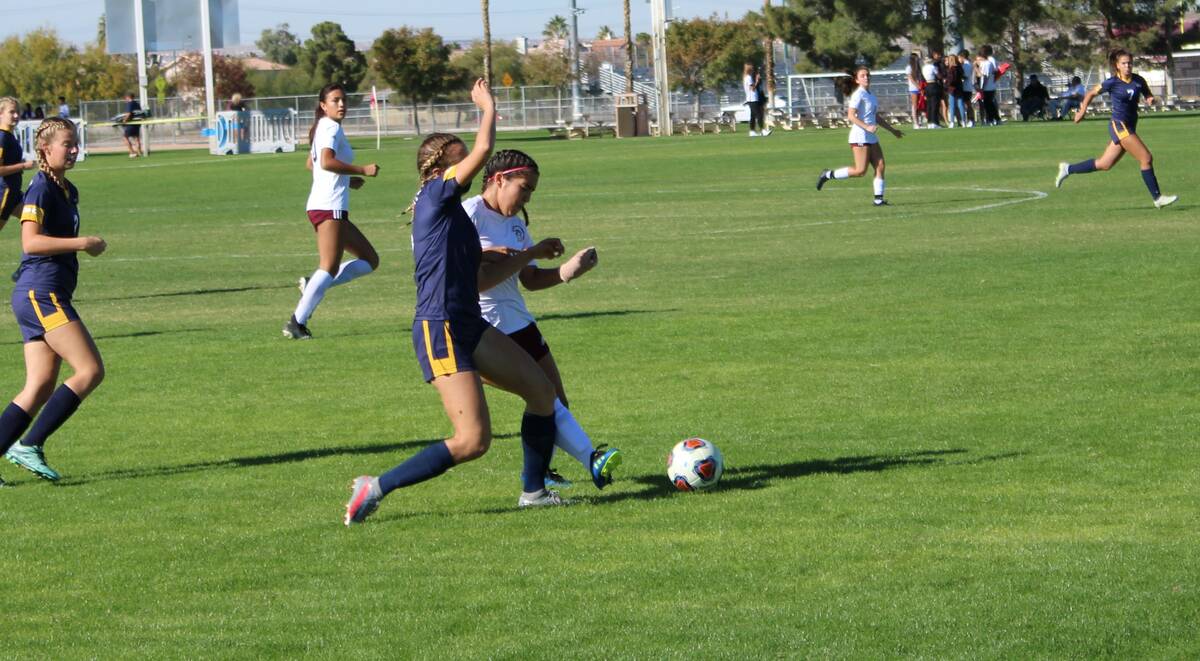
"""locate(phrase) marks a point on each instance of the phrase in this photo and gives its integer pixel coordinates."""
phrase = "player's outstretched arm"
(470, 166)
(494, 270)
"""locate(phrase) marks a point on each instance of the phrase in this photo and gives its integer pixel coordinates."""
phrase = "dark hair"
(985, 50)
(1116, 55)
(964, 53)
(504, 160)
(914, 61)
(320, 112)
(847, 84)
(1076, 80)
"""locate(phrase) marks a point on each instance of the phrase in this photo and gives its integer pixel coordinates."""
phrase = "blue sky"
(75, 20)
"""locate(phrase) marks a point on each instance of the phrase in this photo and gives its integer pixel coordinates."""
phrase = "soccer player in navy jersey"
(455, 345)
(41, 302)
(12, 159)
(1124, 90)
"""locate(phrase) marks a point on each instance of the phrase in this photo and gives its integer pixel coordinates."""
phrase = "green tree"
(417, 65)
(330, 56)
(547, 68)
(229, 76)
(505, 60)
(280, 45)
(605, 32)
(704, 54)
(838, 34)
(556, 28)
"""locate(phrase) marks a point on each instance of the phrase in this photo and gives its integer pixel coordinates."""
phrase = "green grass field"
(961, 426)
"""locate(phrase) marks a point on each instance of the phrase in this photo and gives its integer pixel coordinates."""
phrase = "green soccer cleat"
(32, 459)
(603, 463)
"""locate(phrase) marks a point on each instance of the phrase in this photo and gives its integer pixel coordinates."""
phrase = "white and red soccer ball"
(694, 464)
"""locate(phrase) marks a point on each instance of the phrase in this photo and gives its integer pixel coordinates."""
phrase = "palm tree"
(769, 62)
(487, 43)
(604, 33)
(556, 28)
(628, 50)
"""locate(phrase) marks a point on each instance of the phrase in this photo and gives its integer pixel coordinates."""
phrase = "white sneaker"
(543, 498)
(916, 126)
(754, 134)
(970, 125)
(1064, 172)
(766, 133)
(1164, 200)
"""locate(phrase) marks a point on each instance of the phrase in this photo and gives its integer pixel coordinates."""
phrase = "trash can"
(632, 116)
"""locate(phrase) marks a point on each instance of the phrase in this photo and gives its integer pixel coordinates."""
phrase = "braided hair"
(431, 157)
(502, 163)
(50, 127)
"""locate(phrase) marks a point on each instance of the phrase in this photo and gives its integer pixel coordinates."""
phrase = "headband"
(511, 171)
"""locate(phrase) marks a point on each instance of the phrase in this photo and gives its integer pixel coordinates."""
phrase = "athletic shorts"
(1118, 129)
(134, 131)
(530, 339)
(445, 347)
(318, 216)
(9, 201)
(40, 310)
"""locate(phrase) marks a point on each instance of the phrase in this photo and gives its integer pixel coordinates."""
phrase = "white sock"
(570, 436)
(355, 268)
(841, 173)
(879, 186)
(314, 291)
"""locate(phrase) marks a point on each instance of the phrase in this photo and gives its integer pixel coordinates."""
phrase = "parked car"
(741, 112)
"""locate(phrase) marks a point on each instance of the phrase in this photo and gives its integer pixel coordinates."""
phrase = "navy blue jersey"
(10, 154)
(446, 253)
(1124, 97)
(55, 210)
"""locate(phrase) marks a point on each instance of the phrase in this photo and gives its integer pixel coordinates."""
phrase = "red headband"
(511, 171)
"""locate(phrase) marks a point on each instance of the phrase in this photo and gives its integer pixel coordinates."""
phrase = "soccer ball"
(693, 464)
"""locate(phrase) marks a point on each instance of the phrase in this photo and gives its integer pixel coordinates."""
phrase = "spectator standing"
(912, 73)
(932, 73)
(968, 88)
(64, 110)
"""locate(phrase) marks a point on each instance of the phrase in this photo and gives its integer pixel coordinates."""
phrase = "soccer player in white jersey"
(864, 142)
(331, 161)
(510, 178)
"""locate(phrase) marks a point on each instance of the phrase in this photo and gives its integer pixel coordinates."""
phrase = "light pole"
(574, 55)
(659, 19)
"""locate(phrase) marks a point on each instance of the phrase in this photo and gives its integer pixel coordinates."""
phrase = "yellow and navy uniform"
(448, 323)
(41, 298)
(1124, 96)
(10, 186)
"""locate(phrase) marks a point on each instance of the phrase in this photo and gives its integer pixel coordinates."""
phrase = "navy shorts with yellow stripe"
(9, 201)
(40, 310)
(445, 347)
(1118, 130)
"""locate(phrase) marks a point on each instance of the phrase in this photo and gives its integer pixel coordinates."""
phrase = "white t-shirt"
(748, 88)
(968, 77)
(929, 72)
(330, 191)
(503, 305)
(865, 104)
(64, 111)
(911, 79)
(987, 71)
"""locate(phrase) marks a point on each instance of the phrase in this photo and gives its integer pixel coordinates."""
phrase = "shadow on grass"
(760, 476)
(600, 313)
(190, 292)
(248, 462)
(120, 336)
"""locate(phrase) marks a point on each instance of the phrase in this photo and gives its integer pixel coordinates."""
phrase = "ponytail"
(320, 112)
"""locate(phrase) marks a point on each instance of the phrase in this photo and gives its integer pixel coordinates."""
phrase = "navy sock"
(13, 422)
(61, 406)
(537, 439)
(430, 462)
(1082, 167)
(1151, 182)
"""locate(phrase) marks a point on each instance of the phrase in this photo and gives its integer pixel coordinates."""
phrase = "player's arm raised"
(470, 166)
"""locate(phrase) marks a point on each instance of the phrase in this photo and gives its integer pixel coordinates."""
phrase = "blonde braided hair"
(41, 140)
(430, 157)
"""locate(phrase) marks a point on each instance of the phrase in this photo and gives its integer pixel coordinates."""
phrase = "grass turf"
(960, 426)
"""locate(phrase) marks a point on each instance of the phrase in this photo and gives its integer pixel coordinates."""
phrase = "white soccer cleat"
(1164, 200)
(1064, 171)
(753, 134)
(543, 498)
(766, 133)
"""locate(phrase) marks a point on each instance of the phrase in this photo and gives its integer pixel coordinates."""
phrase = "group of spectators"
(960, 90)
(37, 112)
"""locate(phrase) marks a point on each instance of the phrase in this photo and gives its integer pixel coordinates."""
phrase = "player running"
(1124, 90)
(864, 143)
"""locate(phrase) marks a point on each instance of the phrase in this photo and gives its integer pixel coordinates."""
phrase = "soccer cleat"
(1064, 171)
(766, 133)
(303, 284)
(296, 330)
(1163, 200)
(32, 459)
(826, 175)
(543, 498)
(364, 499)
(603, 462)
(881, 203)
(555, 479)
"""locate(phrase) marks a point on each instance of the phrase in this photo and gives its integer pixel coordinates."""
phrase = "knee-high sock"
(355, 268)
(1151, 182)
(879, 186)
(433, 460)
(841, 173)
(61, 405)
(314, 291)
(13, 422)
(569, 436)
(1082, 167)
(537, 440)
